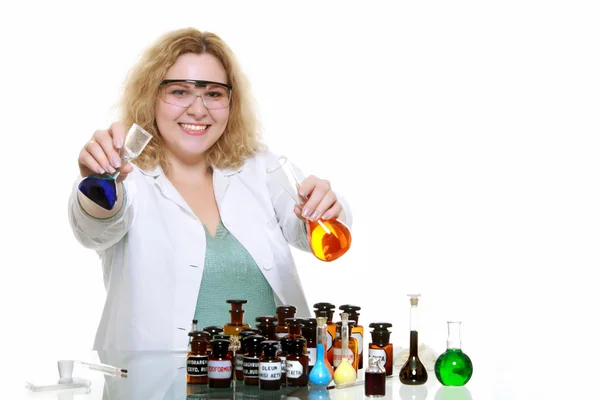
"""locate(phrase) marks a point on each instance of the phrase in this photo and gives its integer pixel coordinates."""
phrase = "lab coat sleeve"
(99, 234)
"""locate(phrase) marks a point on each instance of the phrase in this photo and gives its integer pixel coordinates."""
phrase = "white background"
(463, 133)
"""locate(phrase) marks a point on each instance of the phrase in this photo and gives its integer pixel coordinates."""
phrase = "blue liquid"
(320, 376)
(101, 189)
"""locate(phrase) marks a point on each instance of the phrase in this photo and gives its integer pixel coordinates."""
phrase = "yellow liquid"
(344, 373)
(328, 246)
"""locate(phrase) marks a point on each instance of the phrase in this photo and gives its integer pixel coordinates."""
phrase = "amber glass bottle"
(236, 324)
(213, 330)
(251, 359)
(228, 338)
(220, 366)
(284, 349)
(197, 358)
(267, 325)
(241, 353)
(327, 310)
(352, 347)
(309, 331)
(380, 347)
(269, 366)
(358, 332)
(296, 365)
(283, 312)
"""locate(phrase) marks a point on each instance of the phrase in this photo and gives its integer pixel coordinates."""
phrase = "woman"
(198, 221)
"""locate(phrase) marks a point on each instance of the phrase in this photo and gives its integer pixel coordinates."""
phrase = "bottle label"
(269, 371)
(250, 367)
(239, 362)
(312, 356)
(377, 354)
(282, 358)
(197, 365)
(219, 369)
(329, 340)
(337, 356)
(294, 369)
(359, 339)
(281, 334)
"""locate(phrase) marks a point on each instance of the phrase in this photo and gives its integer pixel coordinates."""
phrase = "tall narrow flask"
(322, 373)
(345, 371)
(358, 332)
(453, 367)
(327, 310)
(413, 372)
(236, 323)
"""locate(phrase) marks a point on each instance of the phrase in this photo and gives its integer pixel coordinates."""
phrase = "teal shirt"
(230, 272)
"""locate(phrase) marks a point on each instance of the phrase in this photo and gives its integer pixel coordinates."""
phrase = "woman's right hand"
(101, 153)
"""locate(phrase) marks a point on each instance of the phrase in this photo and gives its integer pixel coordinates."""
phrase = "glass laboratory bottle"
(413, 371)
(239, 355)
(352, 354)
(283, 312)
(228, 338)
(267, 324)
(375, 379)
(220, 366)
(192, 332)
(453, 367)
(358, 332)
(236, 314)
(327, 310)
(284, 350)
(296, 365)
(269, 366)
(197, 358)
(295, 330)
(251, 359)
(213, 330)
(322, 373)
(380, 347)
(309, 331)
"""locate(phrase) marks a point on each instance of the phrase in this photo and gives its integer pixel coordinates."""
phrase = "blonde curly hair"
(241, 138)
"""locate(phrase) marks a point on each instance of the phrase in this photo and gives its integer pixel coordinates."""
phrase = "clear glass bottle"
(375, 379)
(327, 310)
(453, 367)
(236, 323)
(338, 354)
(413, 372)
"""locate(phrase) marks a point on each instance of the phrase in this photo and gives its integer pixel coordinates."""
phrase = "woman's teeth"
(197, 128)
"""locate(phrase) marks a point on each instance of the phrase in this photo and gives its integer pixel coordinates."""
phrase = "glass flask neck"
(414, 318)
(454, 340)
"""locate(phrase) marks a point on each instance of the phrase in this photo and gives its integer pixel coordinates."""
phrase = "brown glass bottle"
(283, 312)
(352, 347)
(294, 326)
(269, 366)
(228, 338)
(380, 347)
(267, 325)
(309, 331)
(220, 366)
(236, 324)
(197, 359)
(327, 310)
(251, 359)
(213, 330)
(358, 332)
(191, 332)
(239, 355)
(284, 349)
(296, 365)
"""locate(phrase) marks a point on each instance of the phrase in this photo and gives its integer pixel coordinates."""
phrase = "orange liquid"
(328, 246)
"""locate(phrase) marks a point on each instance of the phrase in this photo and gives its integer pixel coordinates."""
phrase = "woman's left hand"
(321, 201)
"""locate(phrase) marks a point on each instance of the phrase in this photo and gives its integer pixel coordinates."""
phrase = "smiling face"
(188, 132)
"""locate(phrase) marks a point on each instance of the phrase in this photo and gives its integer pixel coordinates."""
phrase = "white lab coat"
(153, 251)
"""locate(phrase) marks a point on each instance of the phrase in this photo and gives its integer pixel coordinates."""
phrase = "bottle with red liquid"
(375, 379)
(413, 371)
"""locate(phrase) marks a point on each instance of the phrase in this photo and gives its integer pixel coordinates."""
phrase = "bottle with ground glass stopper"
(453, 367)
(309, 331)
(212, 330)
(220, 366)
(267, 324)
(197, 358)
(413, 371)
(241, 353)
(252, 358)
(269, 366)
(236, 324)
(228, 338)
(283, 312)
(380, 347)
(358, 332)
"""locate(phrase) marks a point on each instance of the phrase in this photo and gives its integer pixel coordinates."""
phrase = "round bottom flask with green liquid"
(453, 367)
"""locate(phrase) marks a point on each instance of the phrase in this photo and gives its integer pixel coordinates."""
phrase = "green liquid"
(453, 368)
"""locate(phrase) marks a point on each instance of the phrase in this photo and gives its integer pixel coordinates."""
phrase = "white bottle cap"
(65, 371)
